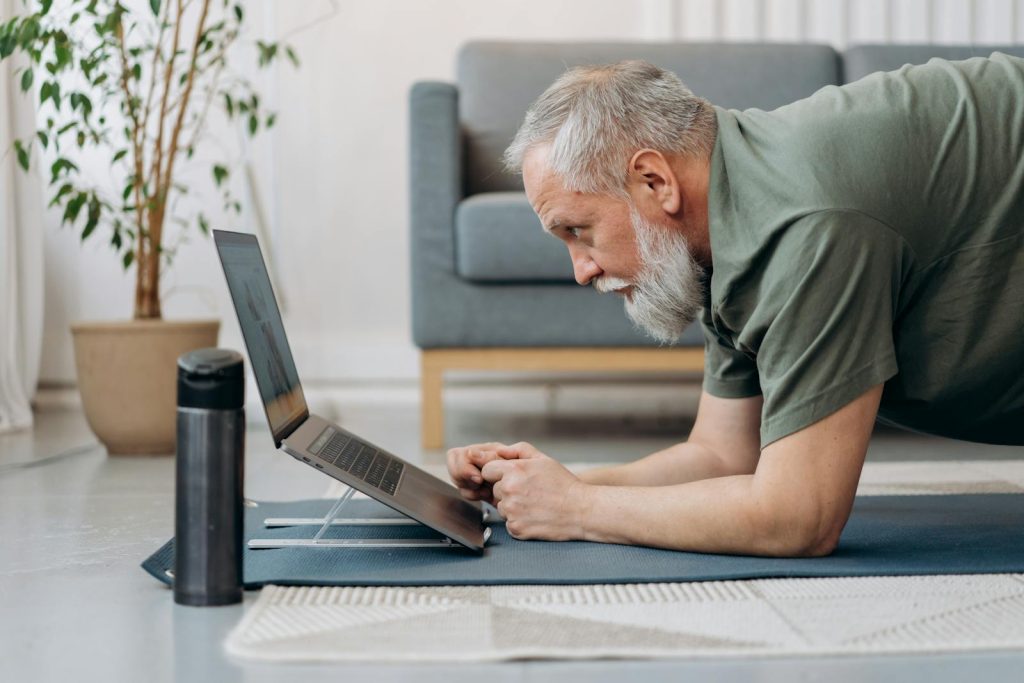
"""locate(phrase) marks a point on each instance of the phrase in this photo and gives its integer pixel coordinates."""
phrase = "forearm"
(731, 515)
(679, 464)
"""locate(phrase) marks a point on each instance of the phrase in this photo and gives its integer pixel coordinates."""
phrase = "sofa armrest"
(435, 184)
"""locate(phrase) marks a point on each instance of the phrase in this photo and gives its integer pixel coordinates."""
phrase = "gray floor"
(75, 606)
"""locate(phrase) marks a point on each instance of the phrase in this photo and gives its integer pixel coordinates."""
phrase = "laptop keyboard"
(359, 459)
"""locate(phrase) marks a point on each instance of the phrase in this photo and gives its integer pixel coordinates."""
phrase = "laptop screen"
(260, 320)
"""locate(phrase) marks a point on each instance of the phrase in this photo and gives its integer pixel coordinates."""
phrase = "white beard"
(668, 292)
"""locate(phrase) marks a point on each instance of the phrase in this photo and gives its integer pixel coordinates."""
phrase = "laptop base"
(332, 519)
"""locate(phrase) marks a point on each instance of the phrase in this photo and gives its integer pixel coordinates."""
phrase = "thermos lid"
(211, 378)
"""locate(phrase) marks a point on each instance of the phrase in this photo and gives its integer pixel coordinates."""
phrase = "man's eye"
(575, 232)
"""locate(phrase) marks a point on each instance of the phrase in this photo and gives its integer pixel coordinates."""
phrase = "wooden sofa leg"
(431, 403)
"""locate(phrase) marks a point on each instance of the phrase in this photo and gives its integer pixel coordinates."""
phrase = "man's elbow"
(808, 532)
(818, 544)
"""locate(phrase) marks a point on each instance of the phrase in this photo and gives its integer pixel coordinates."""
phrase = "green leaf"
(50, 90)
(292, 57)
(80, 139)
(74, 207)
(127, 259)
(22, 154)
(229, 104)
(267, 52)
(128, 190)
(271, 119)
(93, 217)
(44, 139)
(155, 6)
(63, 55)
(7, 44)
(26, 80)
(213, 28)
(119, 155)
(64, 189)
(238, 12)
(254, 123)
(204, 225)
(219, 174)
(29, 32)
(44, 6)
(59, 165)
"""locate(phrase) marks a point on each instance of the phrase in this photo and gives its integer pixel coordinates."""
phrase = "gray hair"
(596, 117)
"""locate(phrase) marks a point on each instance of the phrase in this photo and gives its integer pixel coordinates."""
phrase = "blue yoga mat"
(886, 535)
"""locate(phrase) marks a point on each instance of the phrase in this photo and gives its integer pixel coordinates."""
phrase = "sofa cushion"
(498, 81)
(861, 60)
(498, 238)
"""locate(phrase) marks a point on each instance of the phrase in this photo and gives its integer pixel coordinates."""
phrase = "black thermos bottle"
(208, 512)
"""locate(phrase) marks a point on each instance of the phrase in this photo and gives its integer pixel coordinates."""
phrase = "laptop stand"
(332, 519)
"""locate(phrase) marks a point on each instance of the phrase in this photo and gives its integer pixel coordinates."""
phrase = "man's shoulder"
(787, 248)
(818, 251)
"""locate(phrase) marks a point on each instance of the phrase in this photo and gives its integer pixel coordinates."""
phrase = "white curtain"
(21, 252)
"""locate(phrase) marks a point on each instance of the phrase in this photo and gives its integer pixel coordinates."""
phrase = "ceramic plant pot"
(127, 375)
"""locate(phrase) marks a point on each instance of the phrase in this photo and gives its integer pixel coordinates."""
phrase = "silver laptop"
(316, 441)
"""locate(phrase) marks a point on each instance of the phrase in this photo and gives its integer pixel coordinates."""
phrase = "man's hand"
(538, 497)
(464, 465)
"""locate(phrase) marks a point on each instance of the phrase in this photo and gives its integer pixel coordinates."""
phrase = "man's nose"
(584, 268)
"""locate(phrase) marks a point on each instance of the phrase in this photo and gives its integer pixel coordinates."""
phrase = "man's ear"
(652, 182)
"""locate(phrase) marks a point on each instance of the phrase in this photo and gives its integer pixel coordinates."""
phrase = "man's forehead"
(537, 175)
(544, 188)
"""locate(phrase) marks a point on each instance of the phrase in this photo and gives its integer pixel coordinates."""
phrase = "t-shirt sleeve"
(823, 323)
(728, 373)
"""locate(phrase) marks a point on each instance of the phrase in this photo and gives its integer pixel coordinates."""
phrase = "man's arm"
(725, 440)
(795, 504)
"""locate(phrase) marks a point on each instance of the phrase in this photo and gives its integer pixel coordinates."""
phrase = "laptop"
(318, 442)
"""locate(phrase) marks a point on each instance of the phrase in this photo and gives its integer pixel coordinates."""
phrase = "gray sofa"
(489, 289)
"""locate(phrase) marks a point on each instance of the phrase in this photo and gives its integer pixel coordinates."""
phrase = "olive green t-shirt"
(874, 233)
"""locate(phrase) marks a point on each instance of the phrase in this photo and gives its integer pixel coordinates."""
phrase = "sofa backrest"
(861, 60)
(498, 81)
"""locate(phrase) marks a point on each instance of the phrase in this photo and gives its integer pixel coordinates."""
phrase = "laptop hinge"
(290, 428)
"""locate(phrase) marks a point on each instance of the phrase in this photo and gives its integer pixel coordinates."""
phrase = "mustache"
(610, 284)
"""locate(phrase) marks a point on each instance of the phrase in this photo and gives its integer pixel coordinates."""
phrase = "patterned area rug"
(777, 617)
(721, 618)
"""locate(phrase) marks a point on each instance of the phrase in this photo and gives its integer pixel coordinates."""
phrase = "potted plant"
(132, 89)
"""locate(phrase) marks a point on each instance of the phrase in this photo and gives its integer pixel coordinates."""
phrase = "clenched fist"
(538, 497)
(464, 465)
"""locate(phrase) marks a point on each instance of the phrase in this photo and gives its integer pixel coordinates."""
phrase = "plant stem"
(172, 150)
(141, 309)
(147, 290)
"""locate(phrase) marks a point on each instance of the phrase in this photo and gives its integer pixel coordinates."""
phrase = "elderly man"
(857, 254)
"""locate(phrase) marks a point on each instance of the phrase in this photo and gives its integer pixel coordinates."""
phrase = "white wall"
(333, 173)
